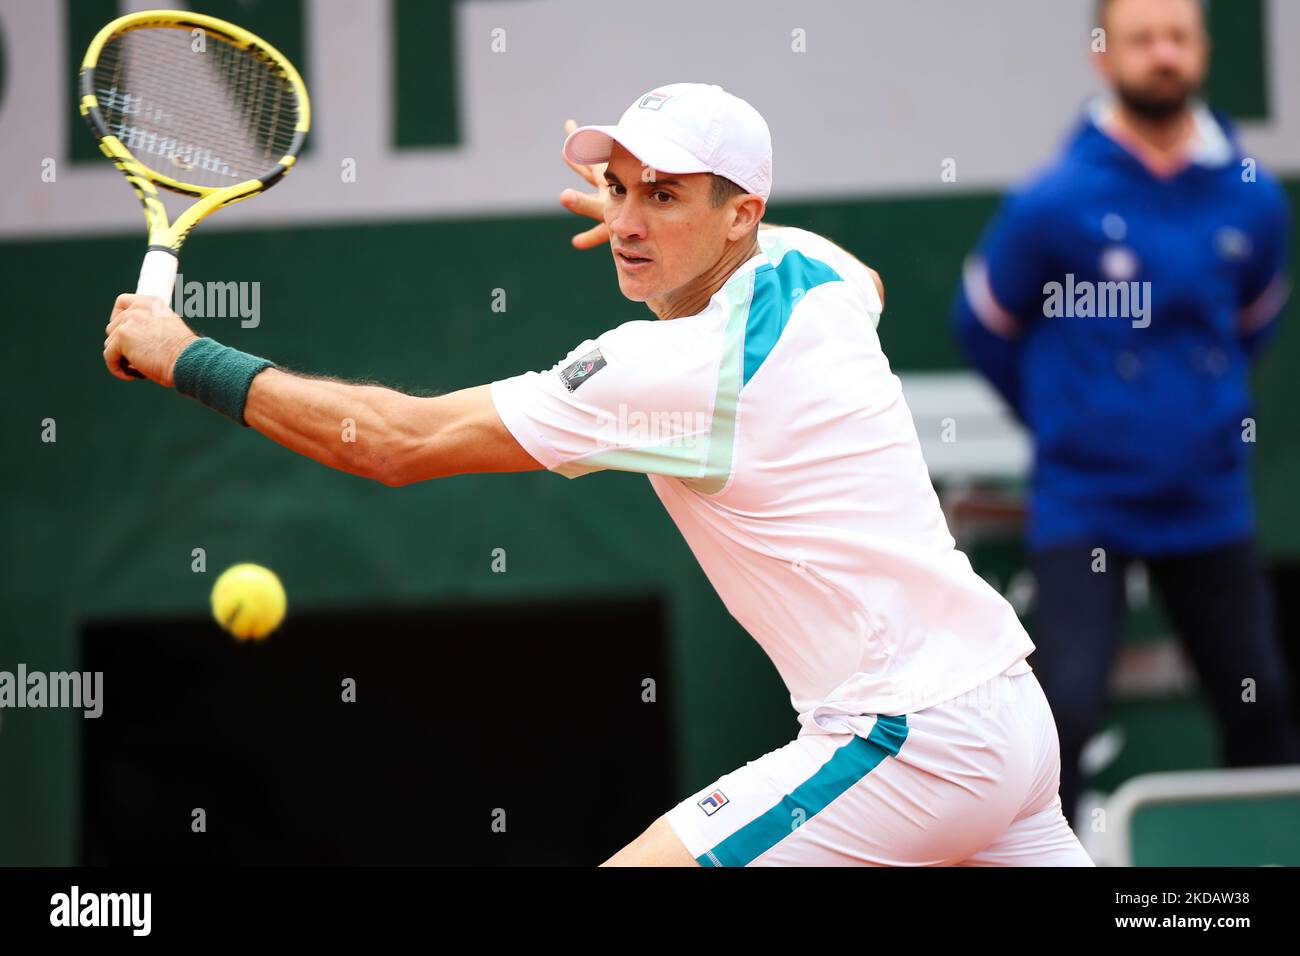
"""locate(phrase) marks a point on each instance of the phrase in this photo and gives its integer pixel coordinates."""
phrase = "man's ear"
(748, 211)
(1101, 66)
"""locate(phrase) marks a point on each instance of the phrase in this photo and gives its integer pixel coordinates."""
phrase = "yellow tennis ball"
(248, 601)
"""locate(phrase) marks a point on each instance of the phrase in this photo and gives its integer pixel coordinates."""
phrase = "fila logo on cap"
(652, 101)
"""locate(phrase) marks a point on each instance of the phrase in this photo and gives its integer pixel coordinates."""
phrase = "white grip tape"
(158, 275)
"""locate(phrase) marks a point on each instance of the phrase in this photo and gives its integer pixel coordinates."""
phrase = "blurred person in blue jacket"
(1117, 302)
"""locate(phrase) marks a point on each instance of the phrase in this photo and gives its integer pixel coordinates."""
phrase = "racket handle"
(157, 278)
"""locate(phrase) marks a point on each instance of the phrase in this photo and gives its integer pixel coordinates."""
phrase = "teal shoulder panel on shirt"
(777, 290)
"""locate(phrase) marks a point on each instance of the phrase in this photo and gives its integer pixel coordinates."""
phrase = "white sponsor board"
(864, 98)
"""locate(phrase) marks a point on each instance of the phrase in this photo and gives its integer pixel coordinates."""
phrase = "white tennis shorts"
(970, 782)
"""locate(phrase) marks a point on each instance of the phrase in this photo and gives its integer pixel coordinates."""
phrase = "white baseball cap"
(686, 128)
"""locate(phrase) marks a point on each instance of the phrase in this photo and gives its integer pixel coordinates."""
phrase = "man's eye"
(662, 197)
(615, 189)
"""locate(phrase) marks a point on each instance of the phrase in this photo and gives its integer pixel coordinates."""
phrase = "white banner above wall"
(863, 99)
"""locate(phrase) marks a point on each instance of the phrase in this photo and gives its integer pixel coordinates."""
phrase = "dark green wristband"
(218, 376)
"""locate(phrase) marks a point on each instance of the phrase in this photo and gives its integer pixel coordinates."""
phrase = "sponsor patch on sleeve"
(575, 373)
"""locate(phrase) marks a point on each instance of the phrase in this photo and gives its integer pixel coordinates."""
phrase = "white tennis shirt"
(774, 432)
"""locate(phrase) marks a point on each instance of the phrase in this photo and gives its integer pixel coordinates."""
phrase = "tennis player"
(759, 403)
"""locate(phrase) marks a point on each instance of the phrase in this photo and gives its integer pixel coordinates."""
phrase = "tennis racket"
(194, 105)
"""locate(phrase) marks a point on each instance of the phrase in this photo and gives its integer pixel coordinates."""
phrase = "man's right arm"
(365, 430)
(382, 434)
(1000, 296)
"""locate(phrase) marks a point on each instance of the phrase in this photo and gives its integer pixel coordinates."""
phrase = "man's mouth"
(628, 259)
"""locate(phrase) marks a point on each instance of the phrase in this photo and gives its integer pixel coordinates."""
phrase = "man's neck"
(691, 298)
(1160, 144)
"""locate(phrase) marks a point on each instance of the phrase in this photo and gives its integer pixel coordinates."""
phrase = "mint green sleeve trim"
(701, 459)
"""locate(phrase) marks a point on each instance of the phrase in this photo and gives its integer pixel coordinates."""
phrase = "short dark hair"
(721, 189)
(1103, 7)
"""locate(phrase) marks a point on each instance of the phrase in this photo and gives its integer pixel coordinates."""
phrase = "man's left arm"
(1265, 281)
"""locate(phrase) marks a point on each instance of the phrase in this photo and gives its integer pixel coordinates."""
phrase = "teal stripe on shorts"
(849, 764)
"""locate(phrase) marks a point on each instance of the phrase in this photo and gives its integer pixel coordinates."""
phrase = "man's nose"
(627, 221)
(1168, 52)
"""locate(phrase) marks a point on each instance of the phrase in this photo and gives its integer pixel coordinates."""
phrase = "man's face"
(1156, 54)
(663, 230)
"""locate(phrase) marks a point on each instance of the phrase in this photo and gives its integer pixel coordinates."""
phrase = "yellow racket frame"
(144, 179)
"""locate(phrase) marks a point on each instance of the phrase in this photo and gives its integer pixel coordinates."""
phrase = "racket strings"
(205, 118)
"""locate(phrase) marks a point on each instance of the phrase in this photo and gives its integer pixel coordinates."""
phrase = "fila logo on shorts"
(713, 803)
